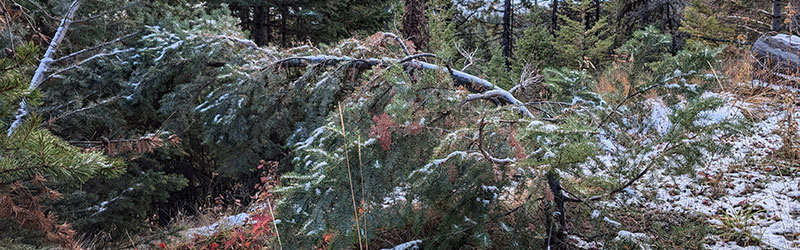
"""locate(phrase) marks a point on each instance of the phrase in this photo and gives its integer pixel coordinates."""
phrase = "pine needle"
(350, 178)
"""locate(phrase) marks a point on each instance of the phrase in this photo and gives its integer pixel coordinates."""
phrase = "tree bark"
(507, 34)
(554, 16)
(777, 15)
(415, 23)
(258, 28)
(284, 16)
(557, 236)
(596, 11)
(44, 64)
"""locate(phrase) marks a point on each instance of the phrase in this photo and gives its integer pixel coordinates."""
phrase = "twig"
(89, 59)
(106, 13)
(483, 152)
(94, 105)
(8, 25)
(470, 57)
(350, 178)
(413, 57)
(639, 176)
(277, 234)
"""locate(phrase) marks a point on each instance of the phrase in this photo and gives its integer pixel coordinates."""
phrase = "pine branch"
(78, 53)
(106, 13)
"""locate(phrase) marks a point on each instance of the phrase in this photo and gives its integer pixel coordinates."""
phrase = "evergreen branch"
(629, 97)
(78, 53)
(87, 60)
(90, 18)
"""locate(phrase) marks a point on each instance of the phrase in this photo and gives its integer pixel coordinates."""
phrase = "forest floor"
(746, 199)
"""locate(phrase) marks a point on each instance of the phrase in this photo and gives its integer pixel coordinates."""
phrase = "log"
(780, 52)
(472, 83)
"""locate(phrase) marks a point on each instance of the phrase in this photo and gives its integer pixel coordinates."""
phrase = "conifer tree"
(580, 45)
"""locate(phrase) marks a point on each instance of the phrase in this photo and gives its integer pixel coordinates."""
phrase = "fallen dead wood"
(781, 52)
(471, 82)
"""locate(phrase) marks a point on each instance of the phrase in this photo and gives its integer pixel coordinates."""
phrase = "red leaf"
(263, 179)
(383, 130)
(213, 246)
(162, 245)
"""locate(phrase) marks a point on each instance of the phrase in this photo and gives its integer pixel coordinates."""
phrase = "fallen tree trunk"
(780, 52)
(44, 64)
(472, 83)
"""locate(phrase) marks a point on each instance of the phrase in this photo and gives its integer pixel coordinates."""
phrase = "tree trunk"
(44, 64)
(508, 39)
(777, 15)
(258, 29)
(557, 235)
(268, 25)
(596, 10)
(415, 23)
(554, 16)
(795, 19)
(284, 16)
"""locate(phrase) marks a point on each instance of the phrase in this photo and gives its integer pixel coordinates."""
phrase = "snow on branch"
(78, 53)
(473, 83)
(399, 42)
(44, 64)
(91, 58)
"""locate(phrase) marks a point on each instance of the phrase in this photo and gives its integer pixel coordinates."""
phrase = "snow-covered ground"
(728, 187)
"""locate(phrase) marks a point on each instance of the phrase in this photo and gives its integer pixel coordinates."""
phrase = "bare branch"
(399, 41)
(94, 105)
(414, 57)
(491, 95)
(89, 59)
(44, 64)
(473, 83)
(470, 57)
(78, 53)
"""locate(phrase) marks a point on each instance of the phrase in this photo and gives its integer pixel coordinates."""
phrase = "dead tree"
(508, 38)
(777, 15)
(470, 82)
(44, 64)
